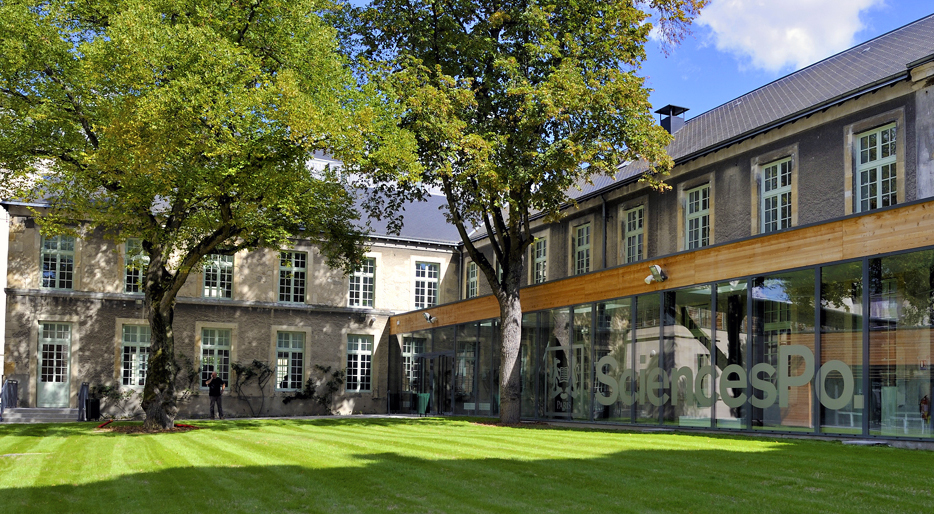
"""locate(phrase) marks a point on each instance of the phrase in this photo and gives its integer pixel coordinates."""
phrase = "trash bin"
(92, 407)
(423, 403)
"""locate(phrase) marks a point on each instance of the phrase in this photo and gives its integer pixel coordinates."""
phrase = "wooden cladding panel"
(893, 230)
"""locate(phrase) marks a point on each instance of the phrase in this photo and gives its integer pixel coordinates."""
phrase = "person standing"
(216, 386)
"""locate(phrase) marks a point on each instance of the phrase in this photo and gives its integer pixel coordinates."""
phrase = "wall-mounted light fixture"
(658, 274)
(429, 318)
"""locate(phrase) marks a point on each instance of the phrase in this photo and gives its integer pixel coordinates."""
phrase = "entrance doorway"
(436, 377)
(53, 387)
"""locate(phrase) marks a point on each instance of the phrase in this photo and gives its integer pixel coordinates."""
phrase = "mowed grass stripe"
(449, 465)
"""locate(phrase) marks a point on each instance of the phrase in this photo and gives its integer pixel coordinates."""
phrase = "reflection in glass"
(528, 350)
(840, 384)
(731, 330)
(558, 391)
(485, 377)
(613, 354)
(783, 327)
(581, 380)
(646, 354)
(687, 372)
(901, 343)
(465, 387)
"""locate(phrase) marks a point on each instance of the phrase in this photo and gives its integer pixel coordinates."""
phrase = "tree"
(188, 125)
(513, 104)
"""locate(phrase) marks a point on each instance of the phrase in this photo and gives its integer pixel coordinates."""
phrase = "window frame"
(363, 281)
(222, 368)
(288, 353)
(428, 283)
(702, 214)
(864, 199)
(62, 259)
(135, 262)
(629, 254)
(582, 256)
(851, 178)
(219, 269)
(359, 371)
(472, 281)
(781, 190)
(135, 376)
(539, 257)
(293, 279)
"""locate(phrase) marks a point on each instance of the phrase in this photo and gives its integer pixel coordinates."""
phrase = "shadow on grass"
(793, 476)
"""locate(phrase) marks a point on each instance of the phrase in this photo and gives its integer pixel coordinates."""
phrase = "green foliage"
(188, 125)
(256, 371)
(327, 382)
(514, 105)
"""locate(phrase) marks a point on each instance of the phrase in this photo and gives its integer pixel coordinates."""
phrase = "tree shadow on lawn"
(790, 476)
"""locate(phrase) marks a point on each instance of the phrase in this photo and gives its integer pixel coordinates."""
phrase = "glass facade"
(841, 349)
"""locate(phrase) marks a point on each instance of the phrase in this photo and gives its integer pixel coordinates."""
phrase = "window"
(876, 169)
(411, 346)
(292, 269)
(135, 354)
(582, 249)
(58, 262)
(471, 280)
(215, 353)
(362, 284)
(359, 351)
(540, 260)
(426, 284)
(634, 220)
(218, 276)
(136, 262)
(290, 358)
(697, 217)
(776, 195)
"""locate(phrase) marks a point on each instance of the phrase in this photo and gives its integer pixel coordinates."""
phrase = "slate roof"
(860, 69)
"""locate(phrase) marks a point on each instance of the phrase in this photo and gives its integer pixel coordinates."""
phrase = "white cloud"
(776, 34)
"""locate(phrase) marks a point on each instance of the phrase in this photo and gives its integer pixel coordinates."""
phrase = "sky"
(737, 46)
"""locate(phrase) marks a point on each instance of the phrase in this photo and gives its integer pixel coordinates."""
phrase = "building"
(75, 315)
(784, 284)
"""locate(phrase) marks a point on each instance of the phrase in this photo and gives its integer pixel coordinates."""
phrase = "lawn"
(347, 465)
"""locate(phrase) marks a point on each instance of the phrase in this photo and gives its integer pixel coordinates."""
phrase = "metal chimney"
(673, 119)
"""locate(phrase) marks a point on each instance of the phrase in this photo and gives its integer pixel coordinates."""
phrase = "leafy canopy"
(188, 124)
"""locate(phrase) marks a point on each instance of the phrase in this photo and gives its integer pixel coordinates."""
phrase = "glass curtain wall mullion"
(867, 357)
(818, 356)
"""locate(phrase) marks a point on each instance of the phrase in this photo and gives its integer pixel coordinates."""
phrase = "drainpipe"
(602, 199)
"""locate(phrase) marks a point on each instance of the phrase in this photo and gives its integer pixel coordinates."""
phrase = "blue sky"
(733, 48)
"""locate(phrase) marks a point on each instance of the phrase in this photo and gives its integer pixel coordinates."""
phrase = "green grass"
(445, 465)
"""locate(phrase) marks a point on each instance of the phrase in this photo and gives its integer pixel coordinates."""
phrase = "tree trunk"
(510, 309)
(159, 400)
